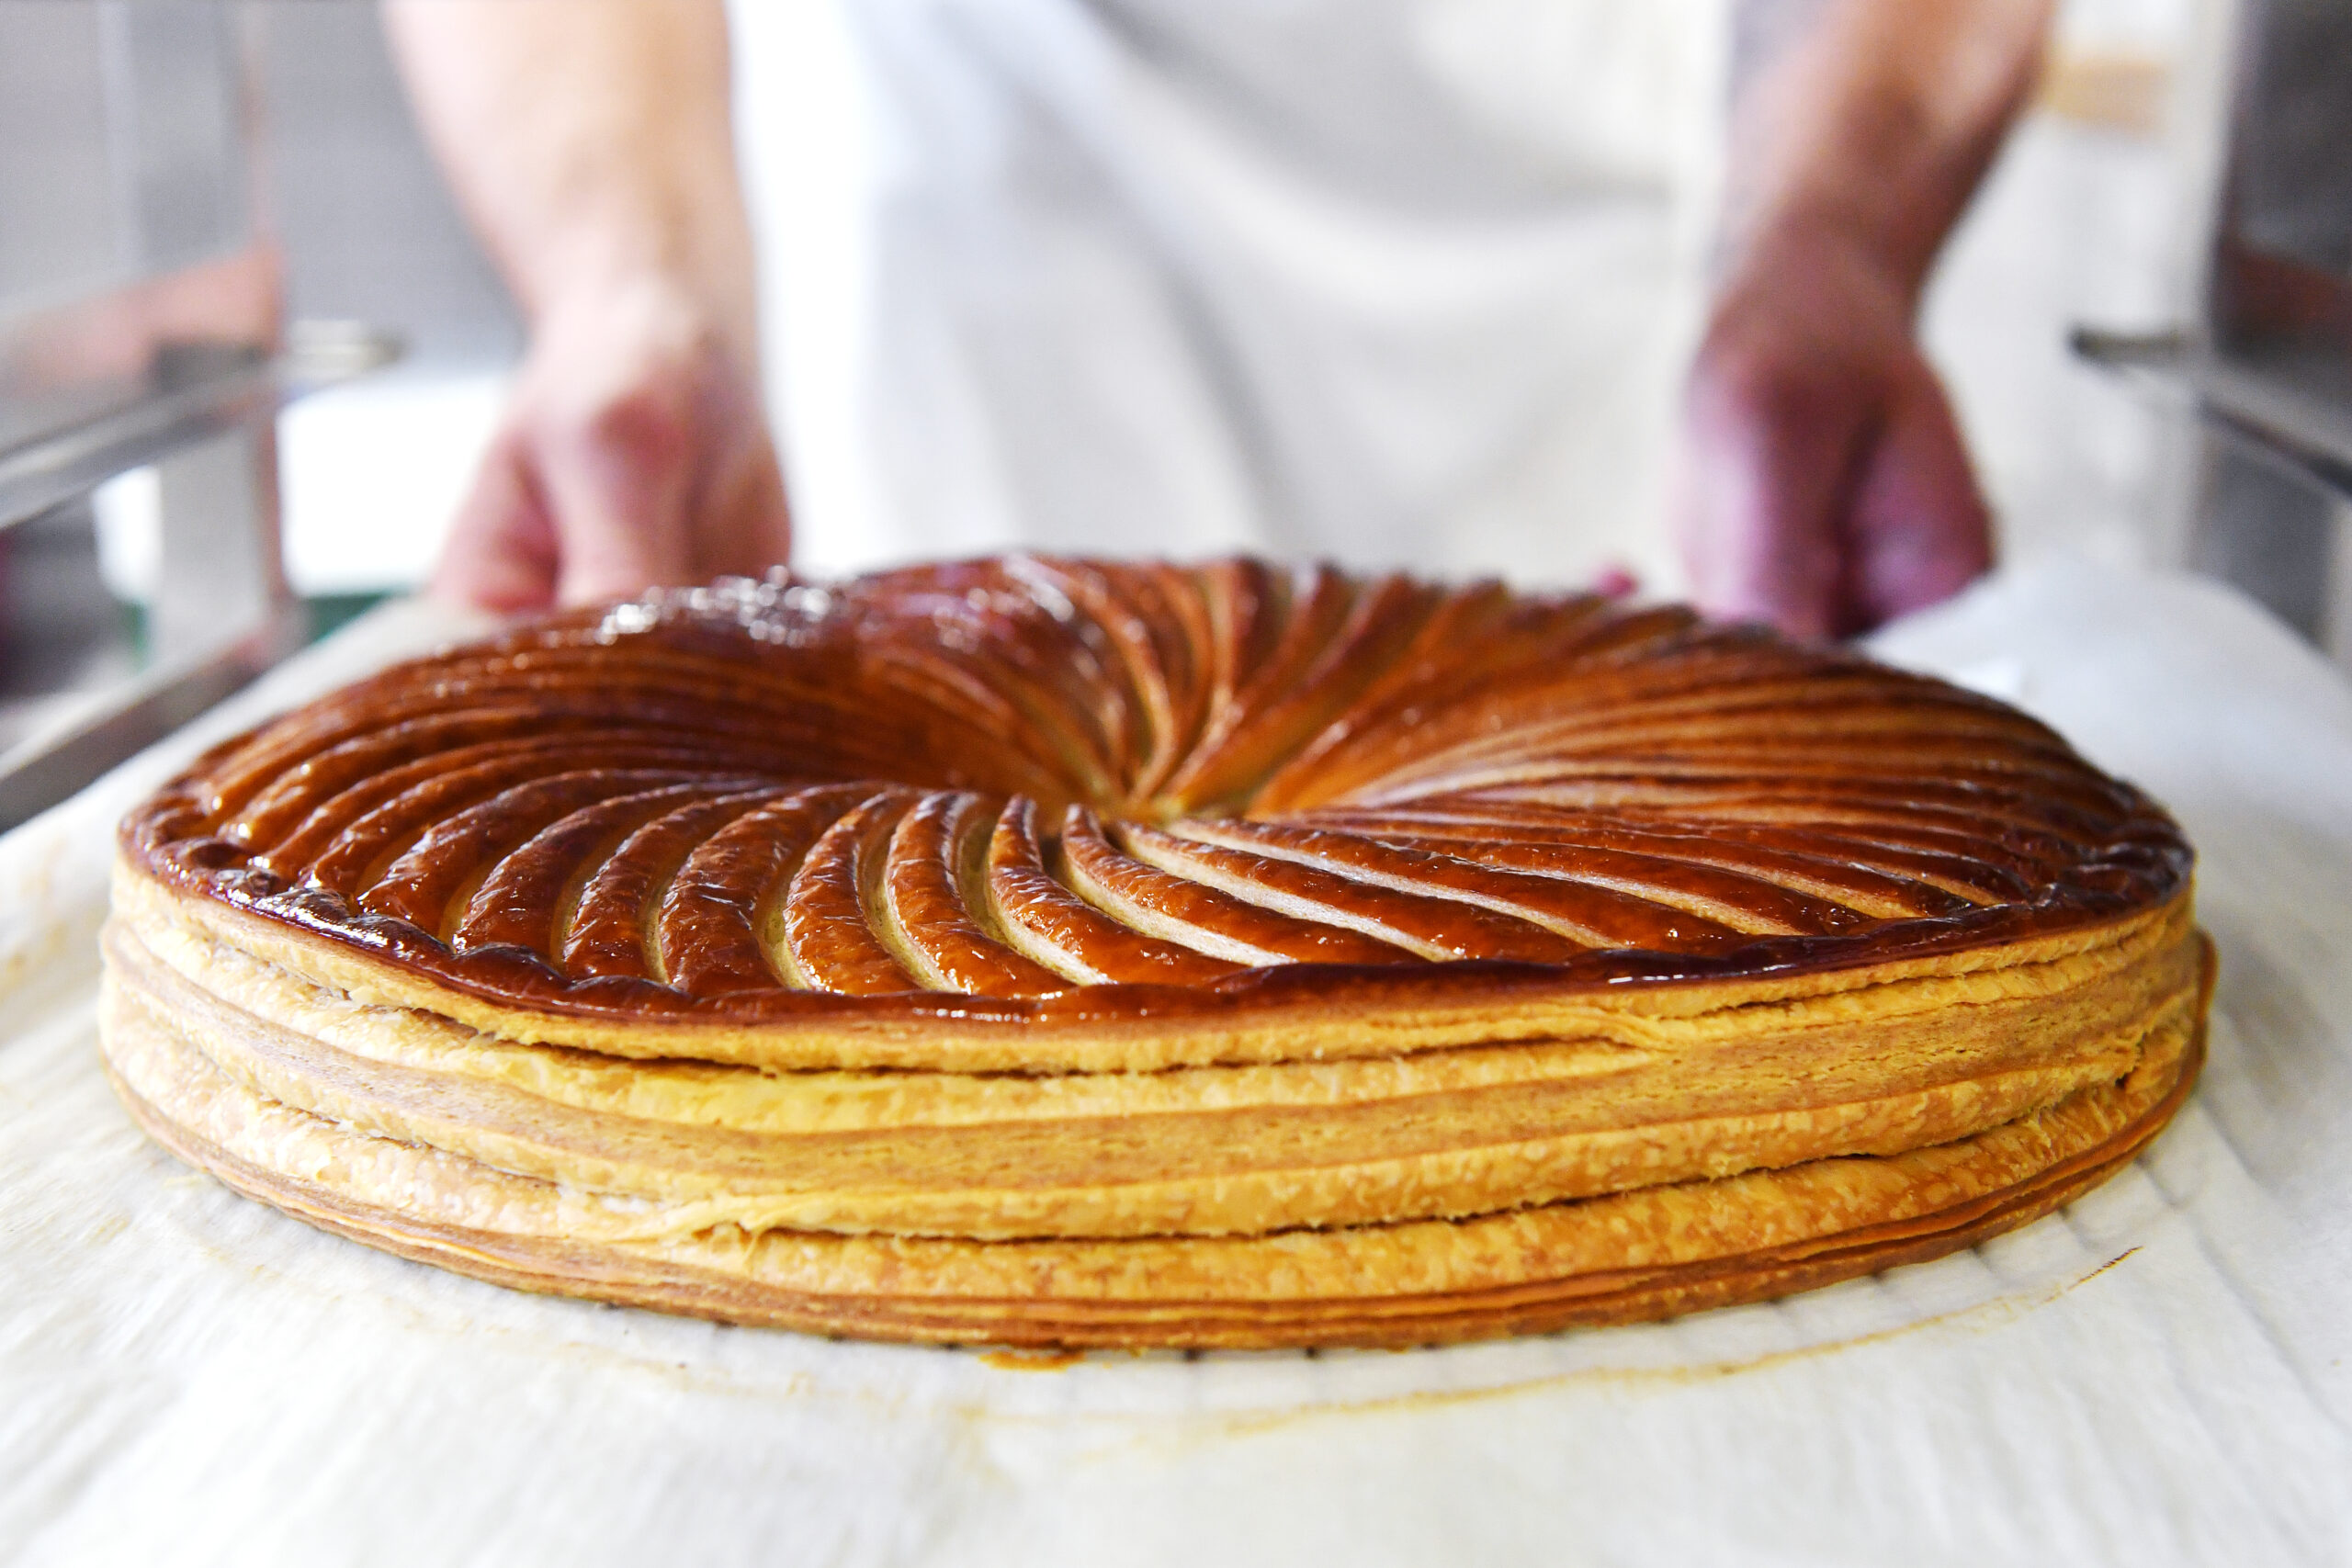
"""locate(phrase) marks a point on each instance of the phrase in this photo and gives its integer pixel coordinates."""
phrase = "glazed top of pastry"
(1003, 788)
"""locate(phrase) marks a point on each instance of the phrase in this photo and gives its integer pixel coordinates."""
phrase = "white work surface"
(2156, 1375)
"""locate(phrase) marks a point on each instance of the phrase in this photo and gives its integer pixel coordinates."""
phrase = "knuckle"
(648, 422)
(1776, 388)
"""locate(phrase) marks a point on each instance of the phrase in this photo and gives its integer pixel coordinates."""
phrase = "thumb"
(1760, 488)
(501, 553)
(1920, 532)
(619, 487)
(745, 527)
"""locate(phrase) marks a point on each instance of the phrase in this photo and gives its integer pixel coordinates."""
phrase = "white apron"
(1391, 282)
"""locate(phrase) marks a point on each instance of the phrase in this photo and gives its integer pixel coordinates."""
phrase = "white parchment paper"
(2156, 1375)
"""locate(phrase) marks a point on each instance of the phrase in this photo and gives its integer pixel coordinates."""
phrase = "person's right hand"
(632, 454)
(1823, 486)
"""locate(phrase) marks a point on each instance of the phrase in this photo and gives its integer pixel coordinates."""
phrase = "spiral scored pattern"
(1017, 781)
(1046, 950)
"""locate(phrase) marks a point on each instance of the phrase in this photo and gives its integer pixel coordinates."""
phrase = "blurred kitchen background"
(127, 129)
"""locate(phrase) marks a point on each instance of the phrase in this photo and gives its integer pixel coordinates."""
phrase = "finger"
(500, 553)
(1919, 529)
(618, 483)
(1769, 459)
(743, 526)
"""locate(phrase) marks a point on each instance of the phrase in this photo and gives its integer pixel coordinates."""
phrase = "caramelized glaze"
(1029, 789)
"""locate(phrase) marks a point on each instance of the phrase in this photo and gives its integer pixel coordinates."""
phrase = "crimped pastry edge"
(1369, 1024)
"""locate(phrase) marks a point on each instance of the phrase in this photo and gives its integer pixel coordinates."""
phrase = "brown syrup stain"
(1009, 1360)
(2105, 1267)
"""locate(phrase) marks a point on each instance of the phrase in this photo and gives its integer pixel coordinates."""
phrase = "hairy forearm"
(1871, 121)
(589, 143)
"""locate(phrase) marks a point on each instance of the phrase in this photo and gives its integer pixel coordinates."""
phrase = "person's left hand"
(633, 454)
(1823, 487)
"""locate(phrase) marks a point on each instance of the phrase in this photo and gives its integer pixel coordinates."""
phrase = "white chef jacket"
(1391, 282)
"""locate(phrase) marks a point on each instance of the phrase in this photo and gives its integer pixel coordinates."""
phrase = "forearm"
(589, 143)
(1869, 122)
(1825, 485)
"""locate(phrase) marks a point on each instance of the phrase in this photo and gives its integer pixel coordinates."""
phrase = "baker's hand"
(633, 453)
(1823, 487)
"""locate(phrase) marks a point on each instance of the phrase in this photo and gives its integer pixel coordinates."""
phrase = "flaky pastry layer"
(1654, 1251)
(1912, 1061)
(1072, 952)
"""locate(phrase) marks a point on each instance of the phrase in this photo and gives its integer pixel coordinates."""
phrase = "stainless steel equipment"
(2268, 367)
(141, 310)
